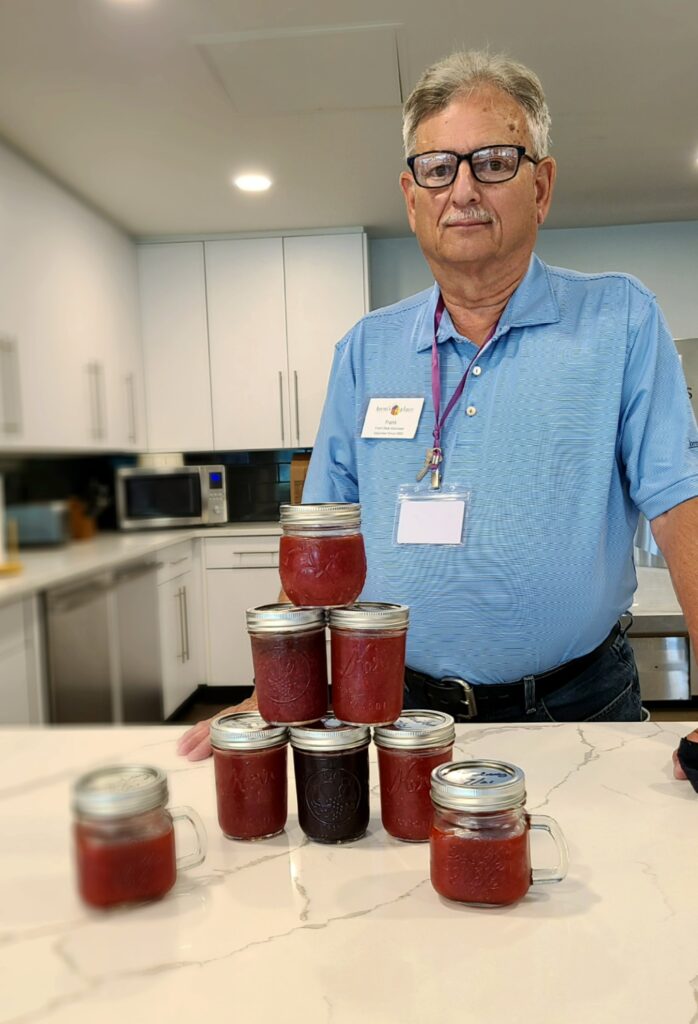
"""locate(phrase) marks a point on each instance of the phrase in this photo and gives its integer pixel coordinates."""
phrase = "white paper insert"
(435, 521)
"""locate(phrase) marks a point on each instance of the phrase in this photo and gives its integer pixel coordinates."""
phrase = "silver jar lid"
(324, 514)
(283, 618)
(370, 615)
(328, 734)
(416, 730)
(478, 786)
(246, 730)
(120, 790)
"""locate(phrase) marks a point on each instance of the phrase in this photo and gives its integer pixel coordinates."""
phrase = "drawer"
(241, 552)
(11, 625)
(174, 561)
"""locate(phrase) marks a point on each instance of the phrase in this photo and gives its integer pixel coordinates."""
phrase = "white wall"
(663, 256)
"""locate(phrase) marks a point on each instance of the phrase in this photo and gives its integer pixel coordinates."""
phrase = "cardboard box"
(299, 468)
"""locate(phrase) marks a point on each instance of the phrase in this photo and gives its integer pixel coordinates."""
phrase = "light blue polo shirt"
(582, 417)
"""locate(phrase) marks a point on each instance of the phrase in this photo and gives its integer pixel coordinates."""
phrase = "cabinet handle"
(186, 623)
(281, 408)
(131, 398)
(101, 403)
(9, 375)
(94, 401)
(298, 421)
(178, 599)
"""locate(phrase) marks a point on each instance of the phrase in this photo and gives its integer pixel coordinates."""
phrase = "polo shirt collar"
(532, 303)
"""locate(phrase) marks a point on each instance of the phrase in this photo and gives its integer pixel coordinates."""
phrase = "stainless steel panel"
(138, 643)
(663, 666)
(79, 662)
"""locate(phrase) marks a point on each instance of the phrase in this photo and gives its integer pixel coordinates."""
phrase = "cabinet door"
(229, 593)
(175, 347)
(325, 296)
(247, 331)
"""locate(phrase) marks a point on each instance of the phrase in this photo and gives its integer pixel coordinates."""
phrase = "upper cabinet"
(70, 366)
(175, 346)
(262, 316)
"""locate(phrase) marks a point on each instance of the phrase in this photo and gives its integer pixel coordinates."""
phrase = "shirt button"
(477, 370)
(471, 410)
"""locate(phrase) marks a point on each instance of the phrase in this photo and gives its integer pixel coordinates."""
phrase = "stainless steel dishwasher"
(103, 647)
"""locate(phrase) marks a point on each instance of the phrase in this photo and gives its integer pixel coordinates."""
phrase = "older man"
(553, 408)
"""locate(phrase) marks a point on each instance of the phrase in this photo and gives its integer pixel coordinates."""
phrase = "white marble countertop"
(54, 566)
(287, 930)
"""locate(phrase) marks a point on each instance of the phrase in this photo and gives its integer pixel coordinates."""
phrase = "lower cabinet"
(22, 698)
(179, 603)
(240, 573)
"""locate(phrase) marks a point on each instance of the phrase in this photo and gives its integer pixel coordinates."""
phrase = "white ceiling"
(147, 107)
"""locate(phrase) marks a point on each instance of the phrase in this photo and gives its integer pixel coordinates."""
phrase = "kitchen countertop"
(294, 931)
(47, 567)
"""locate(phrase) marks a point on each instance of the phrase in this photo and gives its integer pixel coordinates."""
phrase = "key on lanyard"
(431, 464)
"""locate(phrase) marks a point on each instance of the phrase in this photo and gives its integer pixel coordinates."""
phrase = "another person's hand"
(679, 773)
(195, 744)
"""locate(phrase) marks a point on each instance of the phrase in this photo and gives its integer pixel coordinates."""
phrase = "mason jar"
(322, 561)
(408, 752)
(249, 764)
(289, 653)
(368, 662)
(330, 761)
(480, 851)
(124, 835)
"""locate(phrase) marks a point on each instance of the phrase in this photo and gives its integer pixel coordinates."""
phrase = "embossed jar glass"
(322, 560)
(480, 835)
(368, 662)
(408, 752)
(124, 835)
(250, 767)
(331, 767)
(289, 654)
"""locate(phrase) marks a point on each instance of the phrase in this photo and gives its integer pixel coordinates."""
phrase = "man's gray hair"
(462, 73)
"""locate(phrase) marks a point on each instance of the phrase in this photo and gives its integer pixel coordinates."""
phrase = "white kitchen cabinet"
(326, 293)
(179, 602)
(240, 573)
(247, 336)
(22, 694)
(175, 347)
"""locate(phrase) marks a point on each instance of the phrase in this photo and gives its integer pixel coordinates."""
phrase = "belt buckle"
(468, 694)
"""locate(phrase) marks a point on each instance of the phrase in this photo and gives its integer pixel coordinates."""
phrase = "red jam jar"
(322, 561)
(368, 662)
(289, 653)
(408, 752)
(124, 835)
(480, 835)
(249, 763)
(330, 761)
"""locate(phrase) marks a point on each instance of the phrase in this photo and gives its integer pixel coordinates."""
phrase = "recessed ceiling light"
(252, 182)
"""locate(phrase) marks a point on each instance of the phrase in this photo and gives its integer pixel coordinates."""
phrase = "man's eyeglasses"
(488, 165)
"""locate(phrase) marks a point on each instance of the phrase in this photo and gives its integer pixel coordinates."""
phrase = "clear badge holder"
(427, 516)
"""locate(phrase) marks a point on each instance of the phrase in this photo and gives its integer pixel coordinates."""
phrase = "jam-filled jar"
(408, 752)
(249, 763)
(479, 839)
(368, 662)
(124, 835)
(330, 761)
(289, 653)
(322, 561)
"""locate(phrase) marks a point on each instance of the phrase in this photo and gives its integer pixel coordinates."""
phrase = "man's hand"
(679, 773)
(195, 744)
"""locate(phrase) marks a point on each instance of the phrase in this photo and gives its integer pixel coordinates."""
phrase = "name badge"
(392, 417)
(423, 517)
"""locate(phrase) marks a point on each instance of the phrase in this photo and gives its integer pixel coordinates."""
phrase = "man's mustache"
(470, 214)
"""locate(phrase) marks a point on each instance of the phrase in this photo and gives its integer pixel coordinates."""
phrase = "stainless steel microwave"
(155, 497)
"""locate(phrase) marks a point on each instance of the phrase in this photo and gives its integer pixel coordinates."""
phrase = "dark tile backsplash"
(258, 482)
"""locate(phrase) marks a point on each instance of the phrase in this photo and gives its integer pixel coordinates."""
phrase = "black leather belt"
(466, 701)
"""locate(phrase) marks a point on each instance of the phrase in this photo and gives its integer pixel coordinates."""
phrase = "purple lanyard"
(439, 420)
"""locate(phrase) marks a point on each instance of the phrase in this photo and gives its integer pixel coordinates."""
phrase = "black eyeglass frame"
(468, 157)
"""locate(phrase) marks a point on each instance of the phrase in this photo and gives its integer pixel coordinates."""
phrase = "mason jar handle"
(549, 825)
(190, 860)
